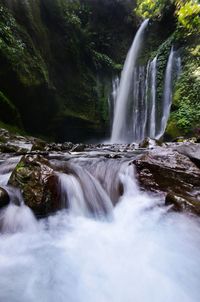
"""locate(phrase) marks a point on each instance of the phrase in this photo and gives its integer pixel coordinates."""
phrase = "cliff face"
(57, 58)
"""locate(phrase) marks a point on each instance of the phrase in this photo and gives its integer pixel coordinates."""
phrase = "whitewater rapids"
(142, 253)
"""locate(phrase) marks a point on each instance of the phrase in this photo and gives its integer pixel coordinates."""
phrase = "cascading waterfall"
(152, 122)
(121, 112)
(112, 98)
(143, 251)
(167, 98)
(137, 113)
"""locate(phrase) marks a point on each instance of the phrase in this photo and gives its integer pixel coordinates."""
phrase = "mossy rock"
(38, 183)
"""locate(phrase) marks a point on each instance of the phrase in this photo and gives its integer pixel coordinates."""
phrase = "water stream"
(140, 252)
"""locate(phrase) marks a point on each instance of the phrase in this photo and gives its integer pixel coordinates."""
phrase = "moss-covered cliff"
(176, 23)
(57, 58)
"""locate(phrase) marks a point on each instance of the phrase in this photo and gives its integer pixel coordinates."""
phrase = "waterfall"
(112, 98)
(167, 94)
(153, 66)
(137, 113)
(120, 123)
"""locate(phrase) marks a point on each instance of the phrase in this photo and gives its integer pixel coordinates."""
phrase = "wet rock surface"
(172, 170)
(38, 184)
(190, 150)
(183, 203)
(4, 198)
(167, 170)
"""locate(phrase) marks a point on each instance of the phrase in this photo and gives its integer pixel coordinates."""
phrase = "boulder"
(149, 143)
(38, 183)
(183, 203)
(190, 150)
(165, 170)
(38, 145)
(78, 148)
(4, 198)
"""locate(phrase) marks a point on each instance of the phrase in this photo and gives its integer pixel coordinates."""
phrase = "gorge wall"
(58, 59)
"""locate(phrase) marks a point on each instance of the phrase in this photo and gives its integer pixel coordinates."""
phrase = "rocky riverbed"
(33, 166)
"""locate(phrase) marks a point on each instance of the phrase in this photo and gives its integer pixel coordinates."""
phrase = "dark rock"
(166, 170)
(38, 145)
(67, 146)
(149, 143)
(78, 148)
(9, 148)
(183, 203)
(4, 135)
(38, 184)
(4, 198)
(190, 150)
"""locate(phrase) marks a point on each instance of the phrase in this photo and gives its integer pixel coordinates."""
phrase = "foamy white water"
(144, 254)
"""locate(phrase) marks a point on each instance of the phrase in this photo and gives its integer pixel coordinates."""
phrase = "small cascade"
(113, 97)
(121, 112)
(6, 169)
(178, 65)
(106, 172)
(17, 217)
(137, 110)
(152, 122)
(82, 193)
(167, 94)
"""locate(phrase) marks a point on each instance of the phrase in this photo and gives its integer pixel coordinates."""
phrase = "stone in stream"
(183, 203)
(149, 143)
(165, 170)
(190, 150)
(4, 198)
(38, 183)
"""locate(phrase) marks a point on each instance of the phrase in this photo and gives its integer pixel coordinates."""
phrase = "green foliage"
(189, 15)
(186, 104)
(19, 51)
(151, 8)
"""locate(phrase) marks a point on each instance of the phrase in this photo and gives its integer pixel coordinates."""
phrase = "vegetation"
(184, 18)
(54, 53)
(58, 58)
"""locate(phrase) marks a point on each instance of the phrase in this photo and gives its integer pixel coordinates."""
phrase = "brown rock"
(38, 184)
(165, 170)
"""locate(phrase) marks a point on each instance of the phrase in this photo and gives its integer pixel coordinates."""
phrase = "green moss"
(172, 129)
(186, 101)
(12, 129)
(17, 48)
